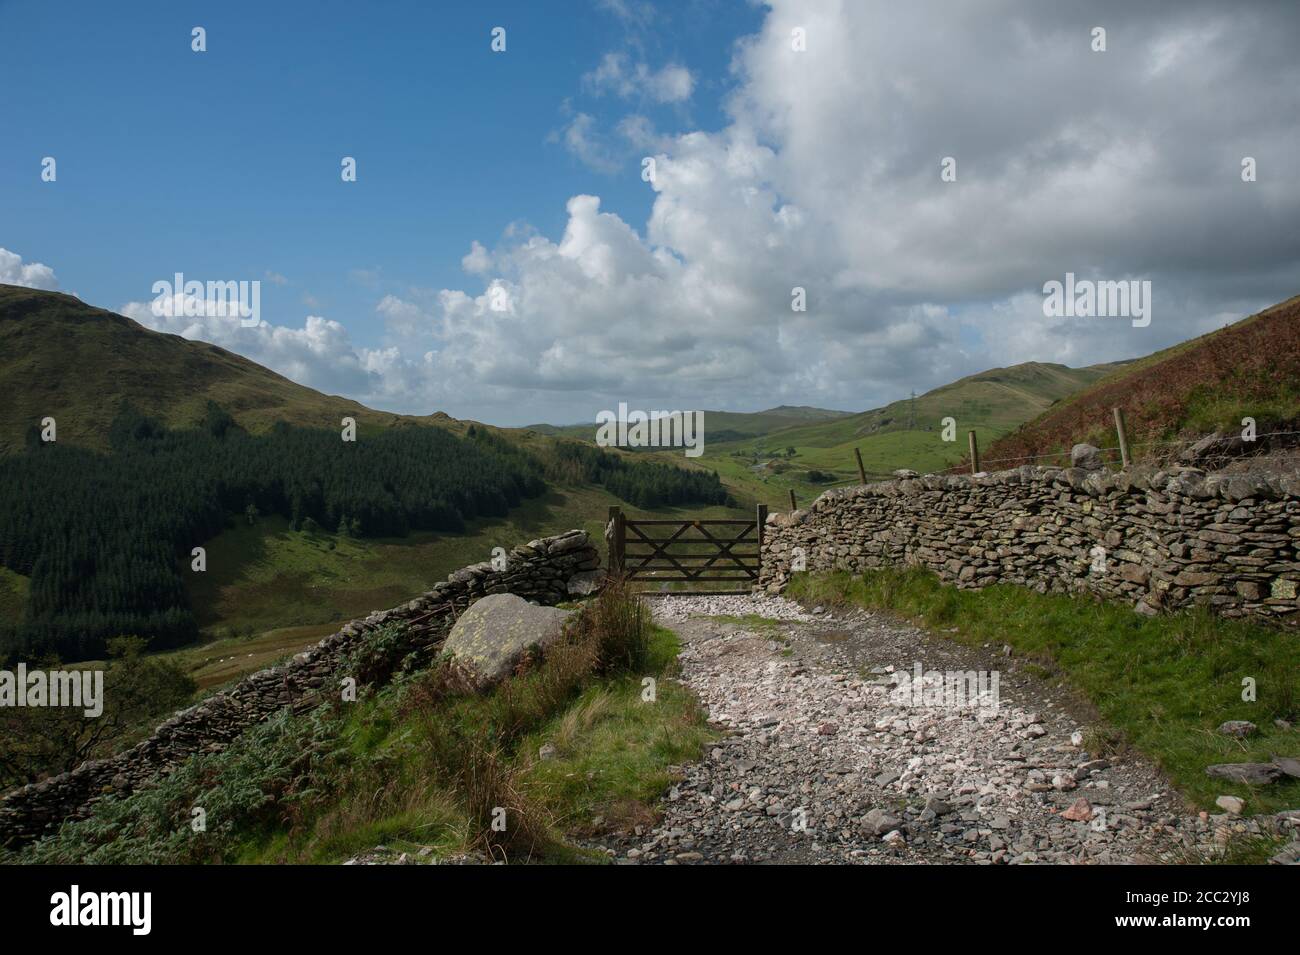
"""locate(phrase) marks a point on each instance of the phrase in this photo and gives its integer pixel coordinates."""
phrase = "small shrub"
(387, 652)
(616, 621)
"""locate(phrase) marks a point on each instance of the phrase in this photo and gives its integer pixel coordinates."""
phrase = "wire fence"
(1114, 452)
(963, 466)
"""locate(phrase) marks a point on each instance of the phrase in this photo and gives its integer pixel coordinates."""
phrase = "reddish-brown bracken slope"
(1249, 368)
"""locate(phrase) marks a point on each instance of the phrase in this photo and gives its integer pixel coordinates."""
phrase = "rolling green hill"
(80, 364)
(750, 451)
(164, 443)
(998, 398)
(903, 434)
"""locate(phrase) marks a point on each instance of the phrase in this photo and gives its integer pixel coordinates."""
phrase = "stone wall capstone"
(1160, 539)
(547, 571)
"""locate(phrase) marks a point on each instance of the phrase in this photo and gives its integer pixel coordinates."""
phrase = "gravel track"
(822, 762)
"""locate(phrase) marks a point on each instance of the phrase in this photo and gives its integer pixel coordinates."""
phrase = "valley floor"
(820, 766)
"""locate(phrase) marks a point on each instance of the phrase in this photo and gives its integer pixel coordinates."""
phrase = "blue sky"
(226, 163)
(500, 256)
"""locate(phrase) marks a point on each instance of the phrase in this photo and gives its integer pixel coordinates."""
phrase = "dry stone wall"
(1159, 539)
(546, 571)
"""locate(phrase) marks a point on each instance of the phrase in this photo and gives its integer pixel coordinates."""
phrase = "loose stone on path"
(819, 764)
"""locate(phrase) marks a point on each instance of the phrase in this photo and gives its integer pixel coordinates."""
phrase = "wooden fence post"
(974, 453)
(862, 472)
(761, 516)
(617, 539)
(1123, 436)
(793, 506)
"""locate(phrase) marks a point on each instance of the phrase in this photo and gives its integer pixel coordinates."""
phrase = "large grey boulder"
(492, 636)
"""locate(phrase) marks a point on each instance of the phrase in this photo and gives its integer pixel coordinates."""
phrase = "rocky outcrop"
(542, 570)
(1159, 539)
(492, 637)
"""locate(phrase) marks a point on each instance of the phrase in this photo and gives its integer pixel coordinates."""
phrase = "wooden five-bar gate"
(687, 552)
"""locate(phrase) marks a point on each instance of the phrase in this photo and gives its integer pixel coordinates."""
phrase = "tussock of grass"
(1162, 684)
(1237, 849)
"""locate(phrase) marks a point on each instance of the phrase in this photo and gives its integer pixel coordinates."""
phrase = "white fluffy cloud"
(1123, 164)
(13, 271)
(826, 177)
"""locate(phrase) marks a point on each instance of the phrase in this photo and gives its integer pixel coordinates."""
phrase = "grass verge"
(1161, 684)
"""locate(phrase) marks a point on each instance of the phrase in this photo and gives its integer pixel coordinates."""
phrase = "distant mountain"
(804, 411)
(719, 425)
(62, 358)
(1250, 368)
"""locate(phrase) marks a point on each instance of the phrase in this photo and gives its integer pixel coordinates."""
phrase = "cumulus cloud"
(616, 73)
(13, 271)
(826, 176)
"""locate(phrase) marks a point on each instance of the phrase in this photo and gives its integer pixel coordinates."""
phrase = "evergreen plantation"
(106, 537)
(643, 484)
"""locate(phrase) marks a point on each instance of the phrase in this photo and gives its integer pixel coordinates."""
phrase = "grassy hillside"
(1250, 368)
(997, 398)
(267, 585)
(903, 434)
(80, 364)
